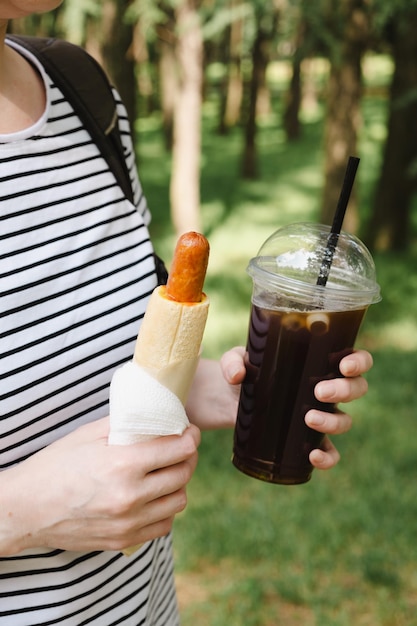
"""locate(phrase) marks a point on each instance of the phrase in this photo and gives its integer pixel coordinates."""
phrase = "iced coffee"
(298, 333)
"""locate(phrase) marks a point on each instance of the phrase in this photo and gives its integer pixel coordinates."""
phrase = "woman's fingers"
(175, 449)
(356, 364)
(341, 389)
(330, 423)
(326, 457)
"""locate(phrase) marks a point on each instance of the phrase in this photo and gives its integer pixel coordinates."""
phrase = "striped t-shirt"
(76, 272)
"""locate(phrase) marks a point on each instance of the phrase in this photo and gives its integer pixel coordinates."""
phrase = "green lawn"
(340, 550)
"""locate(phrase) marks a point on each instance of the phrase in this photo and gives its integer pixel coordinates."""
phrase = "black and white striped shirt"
(76, 271)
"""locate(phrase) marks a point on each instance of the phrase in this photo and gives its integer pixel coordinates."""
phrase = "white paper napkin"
(142, 408)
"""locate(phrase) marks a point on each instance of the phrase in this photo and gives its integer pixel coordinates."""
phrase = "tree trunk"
(291, 114)
(185, 179)
(231, 101)
(259, 63)
(389, 227)
(144, 72)
(234, 93)
(168, 79)
(116, 37)
(266, 27)
(309, 91)
(343, 117)
(291, 117)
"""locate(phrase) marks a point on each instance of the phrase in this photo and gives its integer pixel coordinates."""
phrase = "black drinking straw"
(332, 240)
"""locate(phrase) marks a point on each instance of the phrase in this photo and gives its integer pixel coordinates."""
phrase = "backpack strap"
(85, 84)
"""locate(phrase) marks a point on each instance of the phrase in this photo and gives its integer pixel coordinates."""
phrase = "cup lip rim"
(371, 295)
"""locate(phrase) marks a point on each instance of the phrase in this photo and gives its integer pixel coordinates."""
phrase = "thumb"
(233, 366)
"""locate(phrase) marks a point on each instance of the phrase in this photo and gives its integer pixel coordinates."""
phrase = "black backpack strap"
(85, 84)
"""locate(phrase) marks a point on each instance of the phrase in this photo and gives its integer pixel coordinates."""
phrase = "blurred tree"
(179, 28)
(109, 38)
(185, 175)
(291, 119)
(170, 36)
(266, 19)
(303, 43)
(232, 88)
(74, 16)
(346, 38)
(390, 224)
(168, 77)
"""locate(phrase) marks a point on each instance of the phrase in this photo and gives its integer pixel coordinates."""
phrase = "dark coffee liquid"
(287, 354)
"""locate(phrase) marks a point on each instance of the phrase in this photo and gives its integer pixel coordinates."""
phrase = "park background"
(249, 129)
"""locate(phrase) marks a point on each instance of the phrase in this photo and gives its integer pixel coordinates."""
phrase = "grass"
(340, 550)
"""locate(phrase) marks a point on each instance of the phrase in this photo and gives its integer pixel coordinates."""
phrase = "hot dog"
(167, 346)
(188, 270)
(169, 340)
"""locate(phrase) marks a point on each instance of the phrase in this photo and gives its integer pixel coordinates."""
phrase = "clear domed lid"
(292, 259)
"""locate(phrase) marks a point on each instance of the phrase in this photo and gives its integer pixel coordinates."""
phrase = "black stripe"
(72, 251)
(59, 201)
(51, 570)
(79, 579)
(21, 156)
(55, 410)
(75, 233)
(44, 170)
(83, 322)
(63, 370)
(67, 272)
(60, 218)
(68, 348)
(56, 185)
(78, 305)
(26, 557)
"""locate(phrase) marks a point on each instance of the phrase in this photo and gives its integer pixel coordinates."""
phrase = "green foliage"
(74, 14)
(149, 13)
(384, 13)
(216, 20)
(215, 16)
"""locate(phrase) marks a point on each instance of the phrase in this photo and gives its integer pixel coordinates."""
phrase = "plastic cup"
(298, 333)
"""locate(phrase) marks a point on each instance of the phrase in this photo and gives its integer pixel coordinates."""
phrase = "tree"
(116, 43)
(265, 27)
(390, 224)
(304, 45)
(185, 175)
(168, 78)
(291, 119)
(232, 92)
(347, 30)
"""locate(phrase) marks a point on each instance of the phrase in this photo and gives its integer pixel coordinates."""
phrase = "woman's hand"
(215, 394)
(81, 494)
(352, 387)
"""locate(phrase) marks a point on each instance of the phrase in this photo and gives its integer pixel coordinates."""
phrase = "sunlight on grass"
(402, 334)
(377, 69)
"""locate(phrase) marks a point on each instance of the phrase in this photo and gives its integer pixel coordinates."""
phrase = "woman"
(76, 273)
